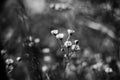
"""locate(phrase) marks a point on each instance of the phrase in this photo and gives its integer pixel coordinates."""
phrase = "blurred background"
(60, 39)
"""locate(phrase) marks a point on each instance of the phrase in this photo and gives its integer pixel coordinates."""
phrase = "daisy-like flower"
(9, 61)
(60, 36)
(70, 31)
(54, 32)
(75, 47)
(67, 44)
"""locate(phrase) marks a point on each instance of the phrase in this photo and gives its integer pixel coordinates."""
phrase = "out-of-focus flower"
(68, 44)
(60, 36)
(30, 38)
(54, 32)
(37, 40)
(97, 66)
(107, 69)
(46, 50)
(47, 59)
(9, 61)
(70, 31)
(3, 52)
(30, 44)
(76, 41)
(9, 68)
(44, 68)
(59, 6)
(75, 47)
(18, 58)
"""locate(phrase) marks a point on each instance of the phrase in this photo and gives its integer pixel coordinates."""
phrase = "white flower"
(75, 47)
(54, 32)
(47, 59)
(37, 40)
(107, 69)
(46, 50)
(68, 44)
(97, 65)
(60, 36)
(18, 58)
(44, 68)
(30, 38)
(9, 61)
(70, 31)
(76, 41)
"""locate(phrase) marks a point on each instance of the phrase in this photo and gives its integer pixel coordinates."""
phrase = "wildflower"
(60, 36)
(30, 38)
(76, 41)
(107, 69)
(9, 68)
(46, 50)
(68, 44)
(47, 58)
(75, 47)
(30, 44)
(9, 61)
(62, 49)
(97, 65)
(70, 31)
(54, 32)
(18, 58)
(37, 40)
(44, 68)
(3, 51)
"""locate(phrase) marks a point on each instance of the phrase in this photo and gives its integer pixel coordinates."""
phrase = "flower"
(76, 41)
(46, 50)
(60, 36)
(107, 69)
(18, 58)
(44, 68)
(67, 44)
(37, 40)
(9, 61)
(70, 31)
(54, 32)
(75, 47)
